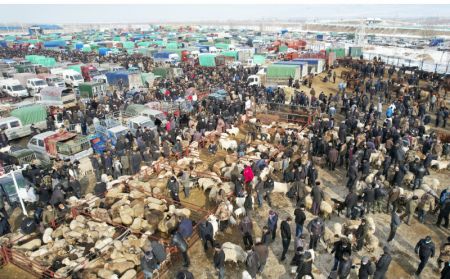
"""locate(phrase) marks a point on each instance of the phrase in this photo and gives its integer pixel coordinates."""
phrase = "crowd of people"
(368, 127)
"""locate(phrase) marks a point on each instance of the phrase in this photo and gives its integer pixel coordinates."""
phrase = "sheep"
(337, 229)
(206, 183)
(186, 161)
(281, 187)
(233, 131)
(439, 165)
(308, 202)
(408, 178)
(240, 211)
(218, 166)
(372, 242)
(129, 274)
(234, 252)
(227, 144)
(326, 209)
(434, 183)
(182, 212)
(47, 237)
(246, 275)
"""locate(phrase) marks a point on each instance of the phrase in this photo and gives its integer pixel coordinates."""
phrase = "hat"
(365, 260)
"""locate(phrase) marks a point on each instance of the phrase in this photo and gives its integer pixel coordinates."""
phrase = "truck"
(88, 72)
(143, 110)
(18, 125)
(31, 82)
(129, 80)
(315, 65)
(72, 78)
(60, 144)
(57, 96)
(16, 156)
(13, 88)
(168, 72)
(303, 66)
(245, 54)
(90, 90)
(166, 57)
(133, 122)
(52, 80)
(110, 129)
(279, 74)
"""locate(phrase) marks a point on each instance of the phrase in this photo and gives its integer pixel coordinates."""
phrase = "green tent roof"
(30, 114)
(207, 60)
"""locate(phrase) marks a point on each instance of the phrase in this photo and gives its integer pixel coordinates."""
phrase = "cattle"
(234, 252)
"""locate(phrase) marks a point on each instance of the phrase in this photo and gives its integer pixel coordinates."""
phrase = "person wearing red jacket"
(248, 174)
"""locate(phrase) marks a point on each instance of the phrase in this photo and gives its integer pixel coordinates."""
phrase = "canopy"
(51, 141)
(30, 114)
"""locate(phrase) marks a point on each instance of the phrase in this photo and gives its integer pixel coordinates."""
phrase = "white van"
(13, 88)
(35, 85)
(72, 77)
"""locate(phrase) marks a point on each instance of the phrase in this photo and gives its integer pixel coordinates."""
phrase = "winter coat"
(272, 221)
(285, 230)
(365, 271)
(185, 228)
(205, 229)
(382, 266)
(248, 174)
(424, 249)
(179, 242)
(304, 267)
(252, 263)
(333, 155)
(339, 249)
(219, 259)
(149, 264)
(411, 206)
(344, 268)
(262, 251)
(300, 216)
(246, 226)
(427, 202)
(317, 194)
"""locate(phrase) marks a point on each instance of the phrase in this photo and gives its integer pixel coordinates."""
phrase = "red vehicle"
(184, 55)
(88, 72)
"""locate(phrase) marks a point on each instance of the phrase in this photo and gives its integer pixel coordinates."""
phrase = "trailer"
(57, 96)
(315, 66)
(125, 79)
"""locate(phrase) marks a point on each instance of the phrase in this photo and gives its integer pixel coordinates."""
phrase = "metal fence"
(399, 61)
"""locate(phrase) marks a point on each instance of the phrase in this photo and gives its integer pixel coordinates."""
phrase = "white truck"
(72, 78)
(18, 125)
(13, 88)
(110, 130)
(56, 96)
(61, 144)
(35, 85)
(134, 122)
(52, 80)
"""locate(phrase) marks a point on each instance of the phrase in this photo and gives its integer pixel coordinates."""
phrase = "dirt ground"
(404, 260)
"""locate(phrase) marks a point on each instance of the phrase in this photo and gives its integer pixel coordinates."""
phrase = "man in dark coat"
(206, 233)
(350, 201)
(305, 266)
(219, 260)
(252, 263)
(383, 263)
(339, 248)
(136, 160)
(352, 176)
(333, 155)
(345, 266)
(246, 229)
(317, 197)
(180, 243)
(361, 234)
(263, 253)
(148, 264)
(316, 229)
(395, 223)
(300, 218)
(425, 249)
(174, 189)
(369, 198)
(272, 223)
(285, 236)
(366, 268)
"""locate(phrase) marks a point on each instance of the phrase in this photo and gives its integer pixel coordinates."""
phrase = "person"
(316, 229)
(248, 174)
(185, 181)
(317, 196)
(186, 227)
(369, 199)
(223, 213)
(425, 249)
(350, 201)
(382, 264)
(206, 232)
(411, 206)
(181, 244)
(263, 253)
(300, 218)
(444, 253)
(285, 236)
(269, 185)
(219, 260)
(361, 234)
(339, 248)
(445, 272)
(426, 204)
(272, 222)
(345, 267)
(395, 223)
(148, 264)
(444, 210)
(159, 250)
(366, 268)
(246, 229)
(266, 235)
(305, 266)
(252, 263)
(184, 274)
(174, 189)
(3, 138)
(5, 228)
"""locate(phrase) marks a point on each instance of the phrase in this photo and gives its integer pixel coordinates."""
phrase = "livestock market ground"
(404, 260)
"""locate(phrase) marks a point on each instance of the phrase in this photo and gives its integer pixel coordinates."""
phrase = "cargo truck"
(129, 80)
(52, 80)
(57, 96)
(90, 90)
(60, 144)
(18, 125)
(13, 88)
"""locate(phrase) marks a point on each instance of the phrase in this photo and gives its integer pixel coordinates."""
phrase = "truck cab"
(35, 85)
(89, 72)
(13, 88)
(118, 69)
(254, 80)
(110, 129)
(55, 81)
(134, 123)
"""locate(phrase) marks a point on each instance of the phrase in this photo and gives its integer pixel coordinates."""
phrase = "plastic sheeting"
(259, 59)
(276, 71)
(230, 53)
(30, 114)
(207, 60)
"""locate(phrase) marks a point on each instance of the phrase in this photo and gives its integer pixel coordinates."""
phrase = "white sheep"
(326, 209)
(233, 131)
(440, 164)
(234, 252)
(227, 144)
(207, 183)
(281, 187)
(372, 243)
(240, 211)
(180, 212)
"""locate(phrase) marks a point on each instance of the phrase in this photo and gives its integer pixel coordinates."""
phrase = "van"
(13, 88)
(72, 78)
(35, 85)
